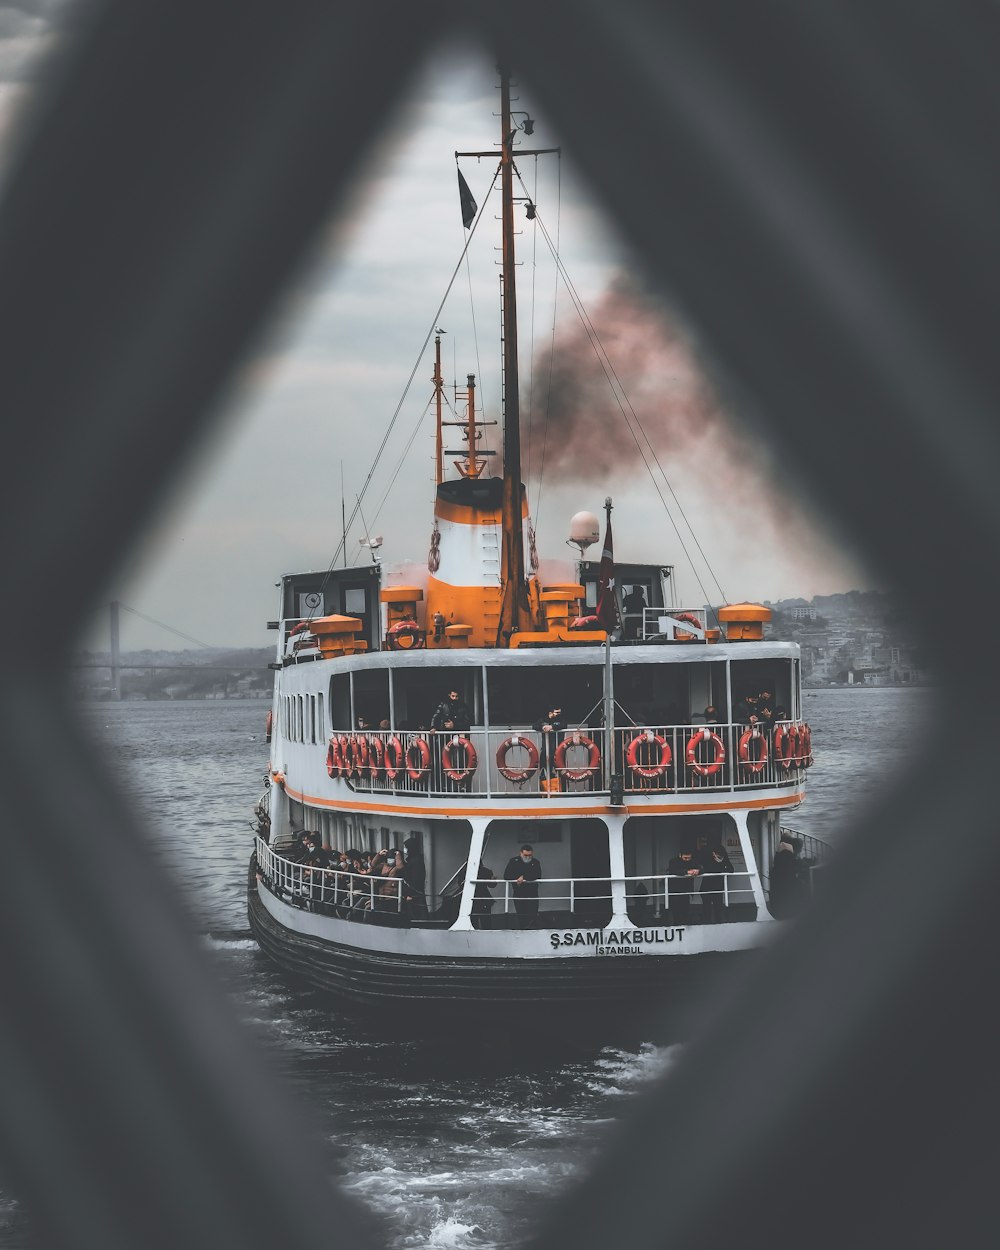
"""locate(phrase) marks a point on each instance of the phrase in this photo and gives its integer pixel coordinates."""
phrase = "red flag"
(607, 604)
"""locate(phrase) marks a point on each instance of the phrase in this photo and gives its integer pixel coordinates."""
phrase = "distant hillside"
(205, 673)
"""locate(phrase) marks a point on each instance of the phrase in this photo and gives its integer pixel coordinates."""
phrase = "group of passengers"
(354, 881)
(689, 873)
(760, 709)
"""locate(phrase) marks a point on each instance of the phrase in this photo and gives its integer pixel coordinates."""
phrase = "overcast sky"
(320, 395)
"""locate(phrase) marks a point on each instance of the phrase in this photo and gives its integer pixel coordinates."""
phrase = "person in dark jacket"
(715, 865)
(415, 876)
(683, 872)
(483, 901)
(786, 894)
(523, 871)
(547, 727)
(452, 714)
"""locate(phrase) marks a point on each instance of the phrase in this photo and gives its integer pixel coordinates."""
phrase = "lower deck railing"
(561, 902)
(499, 763)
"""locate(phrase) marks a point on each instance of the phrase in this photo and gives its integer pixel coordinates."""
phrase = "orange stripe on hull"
(548, 809)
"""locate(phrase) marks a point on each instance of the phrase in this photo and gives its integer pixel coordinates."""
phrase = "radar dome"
(584, 529)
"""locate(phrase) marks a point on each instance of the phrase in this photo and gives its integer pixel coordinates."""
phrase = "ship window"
(355, 602)
(371, 696)
(417, 693)
(520, 696)
(321, 723)
(340, 701)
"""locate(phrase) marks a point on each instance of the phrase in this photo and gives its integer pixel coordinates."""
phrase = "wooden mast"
(515, 613)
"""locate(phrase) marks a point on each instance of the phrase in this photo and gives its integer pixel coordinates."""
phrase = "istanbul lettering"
(616, 941)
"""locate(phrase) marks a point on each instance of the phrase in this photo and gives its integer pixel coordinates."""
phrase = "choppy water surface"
(453, 1148)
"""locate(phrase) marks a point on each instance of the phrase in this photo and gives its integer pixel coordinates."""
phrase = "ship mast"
(438, 381)
(515, 613)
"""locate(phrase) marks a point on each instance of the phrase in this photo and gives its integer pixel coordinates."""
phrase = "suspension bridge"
(117, 667)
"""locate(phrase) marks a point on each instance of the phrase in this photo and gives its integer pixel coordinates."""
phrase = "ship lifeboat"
(405, 635)
(453, 770)
(528, 770)
(756, 764)
(394, 757)
(418, 759)
(709, 767)
(579, 772)
(649, 754)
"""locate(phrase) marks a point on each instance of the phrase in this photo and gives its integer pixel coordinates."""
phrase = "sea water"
(454, 1149)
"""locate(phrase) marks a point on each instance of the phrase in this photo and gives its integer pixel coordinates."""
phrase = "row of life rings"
(793, 745)
(367, 755)
(524, 772)
(649, 755)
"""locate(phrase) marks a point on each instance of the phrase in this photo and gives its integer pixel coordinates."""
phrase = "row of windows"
(303, 718)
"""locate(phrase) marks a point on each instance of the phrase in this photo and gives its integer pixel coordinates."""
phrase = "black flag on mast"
(467, 202)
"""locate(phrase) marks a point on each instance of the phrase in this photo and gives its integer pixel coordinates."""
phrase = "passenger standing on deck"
(786, 894)
(483, 900)
(523, 872)
(683, 872)
(415, 876)
(633, 606)
(451, 716)
(713, 884)
(548, 726)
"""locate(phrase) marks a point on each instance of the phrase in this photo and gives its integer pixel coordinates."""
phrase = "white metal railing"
(517, 761)
(334, 888)
(653, 894)
(581, 902)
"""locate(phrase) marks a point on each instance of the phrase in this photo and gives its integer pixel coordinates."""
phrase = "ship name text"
(616, 941)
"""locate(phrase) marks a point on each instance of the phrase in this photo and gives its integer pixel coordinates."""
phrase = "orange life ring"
(405, 635)
(517, 774)
(691, 757)
(418, 769)
(690, 619)
(805, 745)
(394, 757)
(786, 744)
(278, 777)
(647, 738)
(451, 770)
(376, 756)
(297, 629)
(593, 757)
(268, 725)
(760, 763)
(333, 765)
(359, 754)
(344, 756)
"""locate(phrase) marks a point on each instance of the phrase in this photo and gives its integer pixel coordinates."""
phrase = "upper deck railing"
(498, 763)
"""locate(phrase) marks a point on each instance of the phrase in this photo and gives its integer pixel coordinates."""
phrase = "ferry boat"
(428, 724)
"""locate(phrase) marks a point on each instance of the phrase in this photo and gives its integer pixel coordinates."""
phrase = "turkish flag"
(607, 604)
